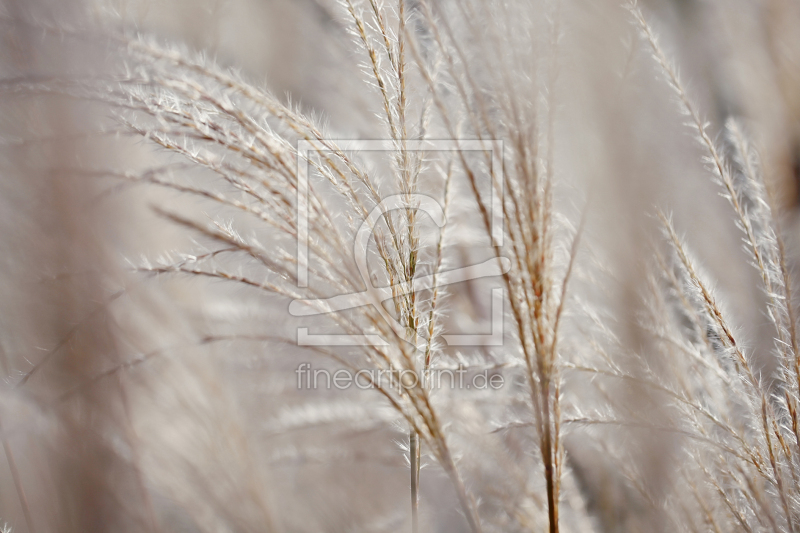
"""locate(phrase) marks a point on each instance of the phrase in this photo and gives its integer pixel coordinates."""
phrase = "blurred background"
(116, 416)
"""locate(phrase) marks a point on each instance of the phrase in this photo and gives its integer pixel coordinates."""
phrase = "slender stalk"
(550, 470)
(414, 456)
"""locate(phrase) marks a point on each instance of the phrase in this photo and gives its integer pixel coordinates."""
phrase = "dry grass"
(169, 398)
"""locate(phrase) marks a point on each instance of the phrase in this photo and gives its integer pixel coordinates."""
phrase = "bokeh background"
(198, 436)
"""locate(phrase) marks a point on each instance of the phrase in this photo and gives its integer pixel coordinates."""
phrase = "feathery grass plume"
(246, 136)
(216, 121)
(186, 126)
(535, 285)
(738, 432)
